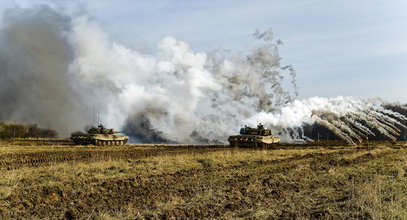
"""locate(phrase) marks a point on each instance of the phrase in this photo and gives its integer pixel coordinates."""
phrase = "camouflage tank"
(100, 136)
(253, 137)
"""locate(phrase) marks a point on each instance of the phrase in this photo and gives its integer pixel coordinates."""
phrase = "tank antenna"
(94, 115)
(99, 115)
(257, 118)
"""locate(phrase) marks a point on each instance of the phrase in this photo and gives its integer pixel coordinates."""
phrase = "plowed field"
(58, 180)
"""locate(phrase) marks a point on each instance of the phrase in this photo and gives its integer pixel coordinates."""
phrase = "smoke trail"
(349, 118)
(255, 79)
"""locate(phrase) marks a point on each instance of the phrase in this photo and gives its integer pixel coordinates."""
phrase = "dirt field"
(54, 179)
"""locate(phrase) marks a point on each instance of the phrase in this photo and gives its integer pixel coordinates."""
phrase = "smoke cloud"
(55, 70)
(34, 58)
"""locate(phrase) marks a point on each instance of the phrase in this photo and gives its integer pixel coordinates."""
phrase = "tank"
(99, 136)
(254, 137)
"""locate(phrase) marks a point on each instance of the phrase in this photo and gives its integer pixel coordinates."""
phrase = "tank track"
(110, 142)
(249, 141)
(86, 141)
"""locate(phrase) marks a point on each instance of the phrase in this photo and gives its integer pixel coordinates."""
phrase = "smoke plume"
(55, 68)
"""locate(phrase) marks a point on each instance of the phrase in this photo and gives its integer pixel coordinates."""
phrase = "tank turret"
(260, 130)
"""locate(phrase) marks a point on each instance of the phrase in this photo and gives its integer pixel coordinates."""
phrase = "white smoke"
(159, 95)
(164, 90)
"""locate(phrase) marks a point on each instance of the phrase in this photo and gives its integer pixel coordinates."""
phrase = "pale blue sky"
(347, 47)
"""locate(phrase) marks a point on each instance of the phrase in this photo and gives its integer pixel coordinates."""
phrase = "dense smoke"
(34, 84)
(54, 70)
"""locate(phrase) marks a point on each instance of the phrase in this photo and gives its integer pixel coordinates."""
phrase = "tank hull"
(256, 141)
(100, 139)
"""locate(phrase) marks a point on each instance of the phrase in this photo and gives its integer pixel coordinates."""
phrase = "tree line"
(10, 130)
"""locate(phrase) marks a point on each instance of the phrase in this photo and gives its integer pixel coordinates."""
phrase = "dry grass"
(337, 183)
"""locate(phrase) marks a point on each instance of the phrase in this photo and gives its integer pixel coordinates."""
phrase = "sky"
(349, 47)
